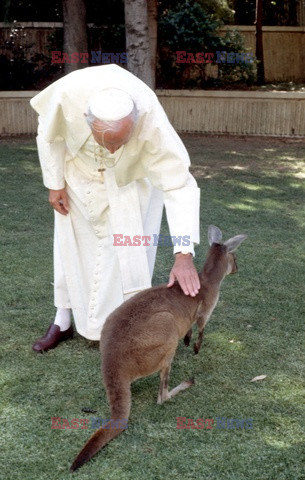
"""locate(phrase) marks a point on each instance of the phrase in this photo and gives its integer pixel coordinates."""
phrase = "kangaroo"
(141, 336)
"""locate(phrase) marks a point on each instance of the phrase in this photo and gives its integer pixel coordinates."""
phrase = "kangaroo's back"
(134, 323)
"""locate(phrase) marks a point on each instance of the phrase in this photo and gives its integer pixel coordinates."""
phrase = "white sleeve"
(52, 160)
(182, 211)
(167, 162)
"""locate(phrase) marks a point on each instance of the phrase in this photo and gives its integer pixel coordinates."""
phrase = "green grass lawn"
(248, 185)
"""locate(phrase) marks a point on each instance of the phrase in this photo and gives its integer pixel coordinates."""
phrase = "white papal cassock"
(120, 193)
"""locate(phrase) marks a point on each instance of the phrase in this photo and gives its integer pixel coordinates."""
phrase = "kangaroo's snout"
(232, 268)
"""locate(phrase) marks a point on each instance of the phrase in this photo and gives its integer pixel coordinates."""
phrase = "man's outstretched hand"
(59, 201)
(186, 274)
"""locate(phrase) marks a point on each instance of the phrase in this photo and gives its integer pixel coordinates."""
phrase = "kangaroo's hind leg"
(163, 389)
(164, 394)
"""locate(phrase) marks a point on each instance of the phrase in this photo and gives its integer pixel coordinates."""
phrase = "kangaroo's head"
(221, 260)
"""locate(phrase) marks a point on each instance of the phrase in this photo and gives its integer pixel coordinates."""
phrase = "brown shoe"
(52, 338)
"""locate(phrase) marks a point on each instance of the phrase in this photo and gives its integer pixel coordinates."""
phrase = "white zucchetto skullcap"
(111, 104)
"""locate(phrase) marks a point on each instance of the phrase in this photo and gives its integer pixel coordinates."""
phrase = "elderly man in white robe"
(111, 159)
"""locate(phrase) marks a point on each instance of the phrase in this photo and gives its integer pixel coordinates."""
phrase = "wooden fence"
(284, 51)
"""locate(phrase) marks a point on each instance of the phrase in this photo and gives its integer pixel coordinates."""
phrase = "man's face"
(113, 138)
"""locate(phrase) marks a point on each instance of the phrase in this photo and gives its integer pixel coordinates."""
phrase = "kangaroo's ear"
(214, 234)
(234, 242)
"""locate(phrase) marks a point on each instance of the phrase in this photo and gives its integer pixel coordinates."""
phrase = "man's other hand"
(59, 201)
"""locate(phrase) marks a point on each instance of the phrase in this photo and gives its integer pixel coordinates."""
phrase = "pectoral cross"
(101, 170)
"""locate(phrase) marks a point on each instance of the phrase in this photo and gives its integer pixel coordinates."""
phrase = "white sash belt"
(125, 219)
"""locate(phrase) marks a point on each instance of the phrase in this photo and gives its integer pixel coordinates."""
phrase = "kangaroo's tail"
(119, 397)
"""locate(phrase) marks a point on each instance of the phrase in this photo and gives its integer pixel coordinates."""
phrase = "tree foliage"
(219, 10)
(188, 24)
(188, 28)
